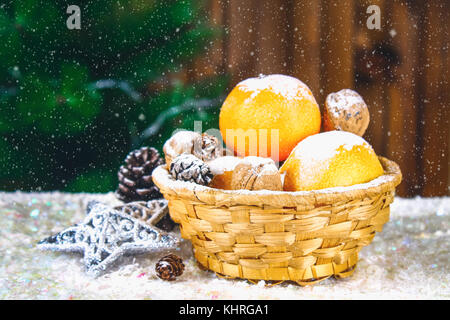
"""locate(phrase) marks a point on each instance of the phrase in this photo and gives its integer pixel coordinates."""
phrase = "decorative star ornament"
(150, 212)
(107, 234)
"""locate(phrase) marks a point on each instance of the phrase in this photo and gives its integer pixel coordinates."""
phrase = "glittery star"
(151, 211)
(105, 235)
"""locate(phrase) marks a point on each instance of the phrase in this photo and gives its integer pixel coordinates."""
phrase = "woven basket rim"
(217, 197)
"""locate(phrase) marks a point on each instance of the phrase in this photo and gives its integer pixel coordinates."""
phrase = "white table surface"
(409, 259)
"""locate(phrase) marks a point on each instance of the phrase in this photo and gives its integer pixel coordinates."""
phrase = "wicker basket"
(304, 236)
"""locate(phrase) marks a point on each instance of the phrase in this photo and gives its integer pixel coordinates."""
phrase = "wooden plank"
(272, 37)
(241, 46)
(373, 86)
(375, 98)
(402, 143)
(218, 16)
(435, 108)
(212, 62)
(446, 83)
(304, 49)
(337, 45)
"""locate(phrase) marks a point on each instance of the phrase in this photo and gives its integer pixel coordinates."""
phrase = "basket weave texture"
(304, 236)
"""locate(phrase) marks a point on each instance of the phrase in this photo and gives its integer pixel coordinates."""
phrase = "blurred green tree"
(73, 103)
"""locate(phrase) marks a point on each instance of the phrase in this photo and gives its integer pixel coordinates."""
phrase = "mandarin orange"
(330, 159)
(267, 116)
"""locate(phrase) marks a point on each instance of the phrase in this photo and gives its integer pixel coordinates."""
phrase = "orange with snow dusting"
(330, 159)
(262, 112)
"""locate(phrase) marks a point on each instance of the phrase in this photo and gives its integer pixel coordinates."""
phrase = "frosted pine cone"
(169, 267)
(135, 177)
(207, 147)
(187, 167)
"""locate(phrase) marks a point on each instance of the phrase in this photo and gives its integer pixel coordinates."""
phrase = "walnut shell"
(346, 110)
(256, 173)
(207, 147)
(181, 142)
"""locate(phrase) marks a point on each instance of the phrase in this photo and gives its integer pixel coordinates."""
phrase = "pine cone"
(135, 177)
(187, 167)
(207, 147)
(169, 267)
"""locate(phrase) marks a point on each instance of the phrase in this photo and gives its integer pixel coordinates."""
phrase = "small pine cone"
(135, 177)
(207, 147)
(169, 267)
(187, 167)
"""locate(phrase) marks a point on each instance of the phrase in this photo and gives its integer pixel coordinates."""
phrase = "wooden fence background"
(400, 70)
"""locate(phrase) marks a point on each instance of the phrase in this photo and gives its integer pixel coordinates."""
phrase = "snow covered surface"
(408, 260)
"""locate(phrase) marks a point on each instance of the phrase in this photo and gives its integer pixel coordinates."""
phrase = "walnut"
(256, 173)
(346, 110)
(207, 147)
(181, 142)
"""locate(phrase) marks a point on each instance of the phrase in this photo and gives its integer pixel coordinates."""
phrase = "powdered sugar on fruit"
(323, 147)
(285, 86)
